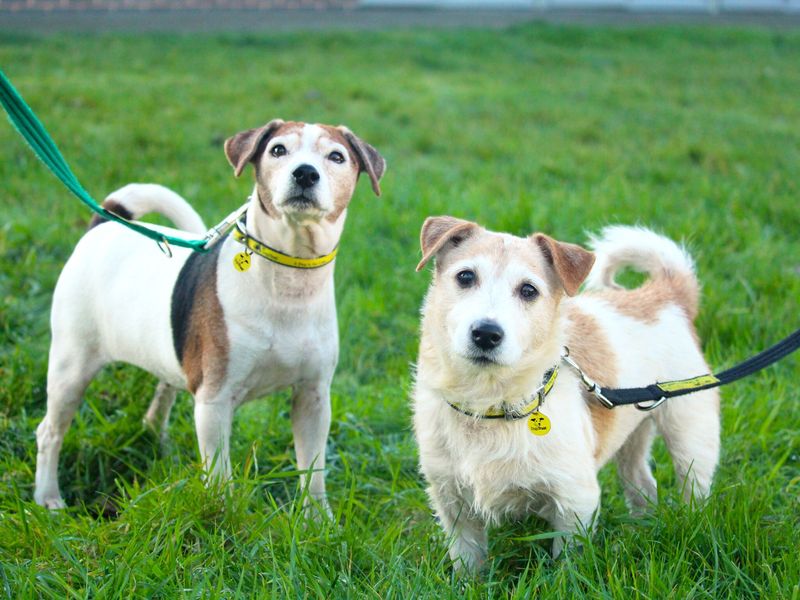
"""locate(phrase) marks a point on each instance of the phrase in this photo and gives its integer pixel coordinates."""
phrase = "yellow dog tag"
(538, 424)
(241, 262)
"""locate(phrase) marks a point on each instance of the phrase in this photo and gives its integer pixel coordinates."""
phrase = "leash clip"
(650, 407)
(164, 246)
(591, 385)
(218, 231)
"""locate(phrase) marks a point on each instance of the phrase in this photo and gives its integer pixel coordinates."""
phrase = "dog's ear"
(242, 147)
(570, 262)
(369, 159)
(437, 232)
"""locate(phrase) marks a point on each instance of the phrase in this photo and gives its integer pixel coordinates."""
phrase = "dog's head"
(304, 171)
(494, 299)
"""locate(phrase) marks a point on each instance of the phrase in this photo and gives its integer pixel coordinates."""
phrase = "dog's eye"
(528, 292)
(466, 278)
(278, 150)
(336, 157)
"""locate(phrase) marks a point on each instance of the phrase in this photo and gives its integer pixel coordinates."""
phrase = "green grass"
(694, 132)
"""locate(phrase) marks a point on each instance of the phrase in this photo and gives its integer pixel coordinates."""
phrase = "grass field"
(694, 132)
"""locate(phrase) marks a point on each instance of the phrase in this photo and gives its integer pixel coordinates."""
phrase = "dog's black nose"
(486, 334)
(306, 176)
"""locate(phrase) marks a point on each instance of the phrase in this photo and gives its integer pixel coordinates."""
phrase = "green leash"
(30, 128)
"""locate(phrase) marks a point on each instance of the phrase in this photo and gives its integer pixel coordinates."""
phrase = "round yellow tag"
(241, 262)
(538, 424)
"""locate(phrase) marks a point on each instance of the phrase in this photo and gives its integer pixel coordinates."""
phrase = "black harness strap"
(670, 389)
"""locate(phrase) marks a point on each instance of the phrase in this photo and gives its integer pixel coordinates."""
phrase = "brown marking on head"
(304, 144)
(369, 159)
(502, 265)
(344, 183)
(112, 206)
(363, 159)
(570, 262)
(438, 234)
(246, 146)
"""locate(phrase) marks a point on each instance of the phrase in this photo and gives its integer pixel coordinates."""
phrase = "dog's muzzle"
(303, 189)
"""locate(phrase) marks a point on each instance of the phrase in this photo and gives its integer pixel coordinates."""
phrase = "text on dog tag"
(538, 424)
(241, 262)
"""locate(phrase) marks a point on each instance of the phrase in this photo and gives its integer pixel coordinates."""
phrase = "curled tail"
(643, 250)
(137, 199)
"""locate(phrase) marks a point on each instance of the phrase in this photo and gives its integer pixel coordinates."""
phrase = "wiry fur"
(482, 472)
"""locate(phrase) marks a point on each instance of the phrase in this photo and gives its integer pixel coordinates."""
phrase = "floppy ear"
(242, 147)
(438, 231)
(369, 160)
(570, 262)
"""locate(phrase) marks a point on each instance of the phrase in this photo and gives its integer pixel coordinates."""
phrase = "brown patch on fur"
(368, 159)
(113, 206)
(247, 146)
(436, 232)
(571, 262)
(265, 199)
(591, 350)
(342, 200)
(645, 302)
(205, 356)
(263, 194)
(198, 324)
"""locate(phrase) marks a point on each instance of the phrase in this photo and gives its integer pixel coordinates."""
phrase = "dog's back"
(635, 337)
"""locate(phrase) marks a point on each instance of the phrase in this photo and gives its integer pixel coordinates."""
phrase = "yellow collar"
(536, 402)
(240, 235)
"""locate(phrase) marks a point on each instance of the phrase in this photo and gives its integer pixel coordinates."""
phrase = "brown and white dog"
(197, 322)
(498, 314)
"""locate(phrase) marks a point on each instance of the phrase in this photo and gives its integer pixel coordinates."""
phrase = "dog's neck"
(302, 239)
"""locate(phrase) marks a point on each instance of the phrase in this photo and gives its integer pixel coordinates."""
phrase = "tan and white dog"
(200, 324)
(496, 320)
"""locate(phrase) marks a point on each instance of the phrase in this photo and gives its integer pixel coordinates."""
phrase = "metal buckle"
(164, 246)
(591, 385)
(650, 407)
(217, 232)
(540, 393)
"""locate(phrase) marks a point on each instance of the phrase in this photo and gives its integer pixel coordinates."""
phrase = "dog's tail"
(643, 250)
(137, 199)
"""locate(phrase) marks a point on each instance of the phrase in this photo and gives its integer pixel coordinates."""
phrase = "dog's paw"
(316, 510)
(468, 559)
(53, 503)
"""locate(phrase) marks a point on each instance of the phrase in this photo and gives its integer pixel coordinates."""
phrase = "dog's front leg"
(213, 417)
(466, 533)
(311, 422)
(574, 512)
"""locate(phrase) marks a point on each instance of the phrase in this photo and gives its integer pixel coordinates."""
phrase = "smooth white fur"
(112, 303)
(482, 472)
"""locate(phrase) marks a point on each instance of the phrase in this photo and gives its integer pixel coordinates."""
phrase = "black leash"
(659, 392)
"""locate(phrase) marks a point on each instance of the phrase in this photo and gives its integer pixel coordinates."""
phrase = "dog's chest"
(277, 348)
(501, 468)
(503, 479)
